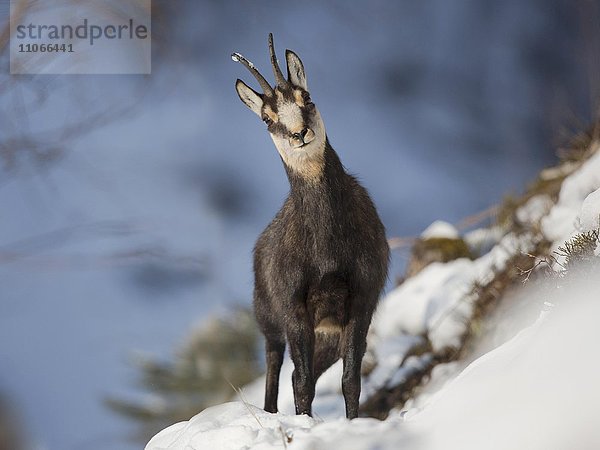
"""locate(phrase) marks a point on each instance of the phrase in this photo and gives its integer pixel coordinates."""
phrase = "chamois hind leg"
(327, 352)
(301, 338)
(275, 349)
(354, 344)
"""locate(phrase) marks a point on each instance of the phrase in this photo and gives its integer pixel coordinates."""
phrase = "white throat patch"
(307, 161)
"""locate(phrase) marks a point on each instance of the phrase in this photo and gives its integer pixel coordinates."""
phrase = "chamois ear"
(249, 96)
(295, 68)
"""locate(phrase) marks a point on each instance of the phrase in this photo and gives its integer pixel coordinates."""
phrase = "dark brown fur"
(321, 261)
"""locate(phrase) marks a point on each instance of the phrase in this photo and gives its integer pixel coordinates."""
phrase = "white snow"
(440, 229)
(420, 304)
(563, 220)
(538, 391)
(230, 425)
(238, 57)
(589, 216)
(482, 240)
(538, 207)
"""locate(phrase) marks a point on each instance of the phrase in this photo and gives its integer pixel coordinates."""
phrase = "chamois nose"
(300, 135)
(304, 137)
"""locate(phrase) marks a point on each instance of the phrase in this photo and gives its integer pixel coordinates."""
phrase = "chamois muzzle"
(302, 138)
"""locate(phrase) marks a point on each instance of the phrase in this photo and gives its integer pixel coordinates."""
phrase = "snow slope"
(536, 391)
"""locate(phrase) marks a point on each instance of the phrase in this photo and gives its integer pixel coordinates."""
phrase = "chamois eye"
(306, 98)
(268, 121)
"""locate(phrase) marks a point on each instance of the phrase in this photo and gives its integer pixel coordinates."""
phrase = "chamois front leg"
(275, 351)
(301, 338)
(354, 344)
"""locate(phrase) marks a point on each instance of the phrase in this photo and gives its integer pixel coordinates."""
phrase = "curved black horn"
(279, 78)
(264, 84)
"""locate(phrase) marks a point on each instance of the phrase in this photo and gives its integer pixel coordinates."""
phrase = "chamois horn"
(264, 84)
(279, 78)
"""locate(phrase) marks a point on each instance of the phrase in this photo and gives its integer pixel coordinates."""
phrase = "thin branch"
(240, 393)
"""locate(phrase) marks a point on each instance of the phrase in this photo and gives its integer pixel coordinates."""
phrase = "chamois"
(321, 264)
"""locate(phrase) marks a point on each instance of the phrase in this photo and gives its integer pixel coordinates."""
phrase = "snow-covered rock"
(589, 216)
(231, 426)
(440, 229)
(537, 208)
(563, 220)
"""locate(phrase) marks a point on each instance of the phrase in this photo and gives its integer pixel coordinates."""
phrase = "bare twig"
(240, 393)
(477, 218)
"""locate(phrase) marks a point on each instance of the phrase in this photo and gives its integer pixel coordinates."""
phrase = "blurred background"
(129, 205)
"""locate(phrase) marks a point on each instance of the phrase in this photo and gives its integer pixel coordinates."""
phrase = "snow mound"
(239, 426)
(231, 426)
(420, 304)
(440, 229)
(563, 220)
(537, 391)
(589, 216)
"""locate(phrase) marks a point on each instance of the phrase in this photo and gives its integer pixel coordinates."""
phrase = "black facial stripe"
(306, 115)
(288, 94)
(279, 129)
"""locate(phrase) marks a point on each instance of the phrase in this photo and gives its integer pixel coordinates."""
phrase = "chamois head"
(292, 119)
